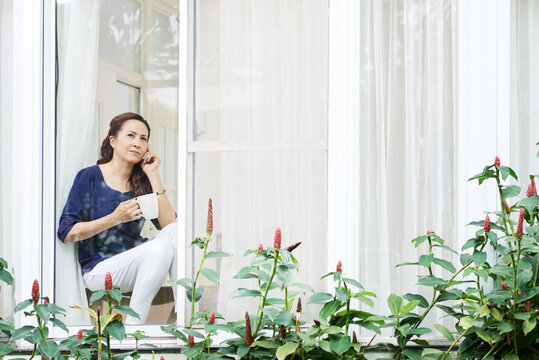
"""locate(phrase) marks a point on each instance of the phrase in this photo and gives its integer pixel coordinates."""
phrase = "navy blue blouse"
(91, 198)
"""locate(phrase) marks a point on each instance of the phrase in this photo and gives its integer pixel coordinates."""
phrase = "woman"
(102, 214)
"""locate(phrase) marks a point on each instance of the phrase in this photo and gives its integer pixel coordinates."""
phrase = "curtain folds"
(78, 35)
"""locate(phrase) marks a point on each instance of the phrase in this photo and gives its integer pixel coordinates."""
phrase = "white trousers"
(141, 270)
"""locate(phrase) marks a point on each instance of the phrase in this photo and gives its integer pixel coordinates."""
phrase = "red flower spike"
(506, 206)
(162, 357)
(532, 180)
(520, 223)
(531, 191)
(248, 333)
(428, 232)
(108, 282)
(354, 337)
(35, 291)
(486, 226)
(461, 303)
(209, 223)
(504, 285)
(277, 239)
(476, 267)
(46, 302)
(339, 266)
(212, 318)
(260, 248)
(79, 334)
(528, 306)
(204, 310)
(299, 307)
(497, 161)
(282, 332)
(191, 341)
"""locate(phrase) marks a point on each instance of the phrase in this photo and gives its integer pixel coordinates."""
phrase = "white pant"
(141, 270)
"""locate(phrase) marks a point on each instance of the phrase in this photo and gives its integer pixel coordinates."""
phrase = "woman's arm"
(167, 215)
(124, 212)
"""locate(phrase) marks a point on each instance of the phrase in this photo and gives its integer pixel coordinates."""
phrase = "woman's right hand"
(127, 211)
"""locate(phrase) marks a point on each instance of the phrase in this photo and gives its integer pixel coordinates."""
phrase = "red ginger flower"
(248, 333)
(191, 341)
(212, 318)
(520, 223)
(79, 334)
(497, 161)
(282, 331)
(298, 307)
(108, 281)
(46, 302)
(204, 310)
(277, 239)
(528, 306)
(354, 337)
(486, 226)
(209, 223)
(162, 357)
(506, 206)
(531, 190)
(428, 232)
(504, 285)
(260, 248)
(35, 291)
(339, 266)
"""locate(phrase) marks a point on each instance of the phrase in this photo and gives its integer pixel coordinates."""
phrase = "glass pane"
(119, 33)
(261, 70)
(253, 193)
(127, 98)
(165, 45)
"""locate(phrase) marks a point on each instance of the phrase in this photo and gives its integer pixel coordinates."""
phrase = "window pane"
(261, 70)
(119, 33)
(253, 193)
(127, 98)
(164, 60)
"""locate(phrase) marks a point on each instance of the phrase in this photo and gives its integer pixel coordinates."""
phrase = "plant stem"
(193, 291)
(347, 310)
(457, 339)
(286, 299)
(491, 350)
(266, 293)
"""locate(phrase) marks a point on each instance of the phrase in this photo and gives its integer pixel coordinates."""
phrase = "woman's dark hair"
(138, 180)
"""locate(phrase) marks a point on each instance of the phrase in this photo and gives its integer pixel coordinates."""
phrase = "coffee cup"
(148, 205)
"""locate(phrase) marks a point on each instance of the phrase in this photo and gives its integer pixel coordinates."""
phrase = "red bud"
(260, 248)
(277, 239)
(476, 267)
(528, 306)
(46, 302)
(209, 223)
(212, 318)
(486, 226)
(79, 334)
(428, 232)
(339, 266)
(354, 338)
(191, 341)
(204, 310)
(497, 161)
(298, 307)
(531, 191)
(35, 292)
(507, 208)
(504, 285)
(162, 357)
(282, 331)
(461, 303)
(248, 333)
(108, 281)
(520, 223)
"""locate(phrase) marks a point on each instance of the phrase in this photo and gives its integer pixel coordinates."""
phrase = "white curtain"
(77, 132)
(260, 132)
(391, 165)
(524, 89)
(6, 136)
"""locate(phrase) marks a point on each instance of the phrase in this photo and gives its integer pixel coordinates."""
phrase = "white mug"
(148, 205)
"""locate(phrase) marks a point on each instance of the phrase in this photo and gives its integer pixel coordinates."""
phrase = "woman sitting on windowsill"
(102, 213)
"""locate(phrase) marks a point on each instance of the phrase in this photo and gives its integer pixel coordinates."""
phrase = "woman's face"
(131, 143)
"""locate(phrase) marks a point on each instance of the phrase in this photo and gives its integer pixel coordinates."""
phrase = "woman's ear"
(112, 141)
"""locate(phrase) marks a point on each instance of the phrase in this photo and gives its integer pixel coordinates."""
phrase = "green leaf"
(341, 294)
(284, 350)
(194, 333)
(465, 259)
(529, 203)
(445, 264)
(242, 292)
(444, 331)
(408, 307)
(339, 344)
(506, 326)
(425, 260)
(211, 275)
(430, 281)
(116, 330)
(6, 277)
(48, 349)
(413, 354)
(217, 254)
(21, 333)
(324, 345)
(96, 295)
(60, 324)
(319, 298)
(479, 258)
(467, 322)
(198, 293)
(285, 318)
(356, 283)
(185, 282)
(422, 301)
(4, 325)
(502, 270)
(127, 310)
(483, 335)
(5, 349)
(22, 305)
(510, 191)
(395, 303)
(528, 326)
(266, 344)
(511, 357)
(329, 309)
(42, 311)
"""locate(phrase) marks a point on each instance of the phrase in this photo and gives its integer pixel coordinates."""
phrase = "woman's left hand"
(150, 163)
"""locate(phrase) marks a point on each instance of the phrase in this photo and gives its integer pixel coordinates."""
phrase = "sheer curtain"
(77, 133)
(391, 171)
(259, 141)
(524, 88)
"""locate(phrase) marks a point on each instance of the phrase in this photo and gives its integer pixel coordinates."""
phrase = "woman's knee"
(161, 251)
